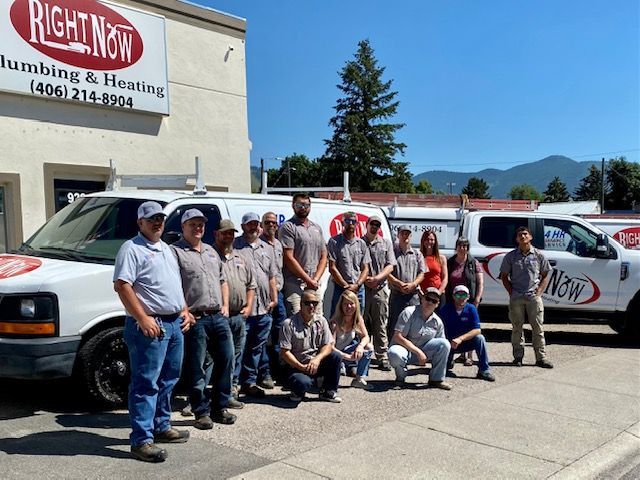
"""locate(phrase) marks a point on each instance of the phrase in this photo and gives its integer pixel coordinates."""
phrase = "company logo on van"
(82, 33)
(12, 265)
(629, 237)
(335, 226)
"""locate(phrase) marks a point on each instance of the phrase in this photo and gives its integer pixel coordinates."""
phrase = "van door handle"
(552, 263)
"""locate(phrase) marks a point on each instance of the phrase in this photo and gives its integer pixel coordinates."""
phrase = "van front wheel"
(105, 367)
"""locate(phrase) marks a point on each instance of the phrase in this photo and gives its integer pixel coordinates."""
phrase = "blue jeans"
(300, 383)
(237, 323)
(155, 369)
(477, 344)
(362, 365)
(337, 293)
(211, 334)
(436, 350)
(258, 328)
(271, 354)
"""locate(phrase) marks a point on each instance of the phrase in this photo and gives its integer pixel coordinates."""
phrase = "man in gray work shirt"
(305, 253)
(348, 261)
(207, 296)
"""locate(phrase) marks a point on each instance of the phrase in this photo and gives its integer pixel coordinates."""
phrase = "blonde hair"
(338, 316)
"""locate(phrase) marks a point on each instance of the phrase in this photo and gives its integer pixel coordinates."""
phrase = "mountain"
(537, 174)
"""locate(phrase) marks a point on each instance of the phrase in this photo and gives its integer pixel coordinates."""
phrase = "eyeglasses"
(270, 222)
(374, 225)
(433, 301)
(461, 295)
(302, 205)
(310, 303)
(155, 218)
(350, 221)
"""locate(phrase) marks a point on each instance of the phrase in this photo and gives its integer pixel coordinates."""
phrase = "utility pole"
(289, 173)
(451, 185)
(602, 187)
(261, 174)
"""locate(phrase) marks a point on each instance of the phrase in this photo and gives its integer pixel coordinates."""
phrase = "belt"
(204, 313)
(166, 317)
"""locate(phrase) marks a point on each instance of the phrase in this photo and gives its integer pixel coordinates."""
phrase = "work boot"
(172, 435)
(252, 390)
(203, 423)
(224, 417)
(235, 404)
(267, 383)
(439, 384)
(384, 365)
(544, 363)
(148, 452)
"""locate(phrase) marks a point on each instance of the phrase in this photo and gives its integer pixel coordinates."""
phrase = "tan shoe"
(441, 385)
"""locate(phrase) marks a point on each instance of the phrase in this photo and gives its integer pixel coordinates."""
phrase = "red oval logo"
(336, 227)
(13, 265)
(629, 237)
(82, 33)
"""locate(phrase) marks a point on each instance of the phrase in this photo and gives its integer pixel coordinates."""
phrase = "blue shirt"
(153, 272)
(456, 325)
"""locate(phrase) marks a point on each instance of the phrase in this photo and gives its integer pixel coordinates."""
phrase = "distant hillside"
(538, 174)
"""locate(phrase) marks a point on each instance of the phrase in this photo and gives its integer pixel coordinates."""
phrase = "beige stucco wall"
(208, 118)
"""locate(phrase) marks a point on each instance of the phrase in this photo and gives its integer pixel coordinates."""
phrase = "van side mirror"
(602, 246)
(171, 237)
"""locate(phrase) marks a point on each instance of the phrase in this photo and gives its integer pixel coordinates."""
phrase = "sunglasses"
(310, 303)
(302, 205)
(431, 300)
(461, 295)
(155, 218)
(374, 225)
(350, 221)
(270, 222)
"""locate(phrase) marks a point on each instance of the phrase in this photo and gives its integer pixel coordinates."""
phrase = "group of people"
(245, 312)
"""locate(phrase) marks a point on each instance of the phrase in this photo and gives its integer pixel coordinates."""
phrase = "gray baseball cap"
(374, 218)
(250, 217)
(404, 227)
(149, 209)
(192, 213)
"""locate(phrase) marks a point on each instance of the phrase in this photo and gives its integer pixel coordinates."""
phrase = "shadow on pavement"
(65, 443)
(94, 420)
(564, 337)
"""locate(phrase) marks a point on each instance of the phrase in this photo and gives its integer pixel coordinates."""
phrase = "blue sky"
(481, 84)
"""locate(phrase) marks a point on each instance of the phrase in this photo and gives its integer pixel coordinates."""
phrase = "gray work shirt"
(239, 274)
(349, 256)
(201, 273)
(409, 264)
(153, 272)
(260, 254)
(524, 270)
(302, 340)
(414, 327)
(279, 257)
(382, 255)
(307, 243)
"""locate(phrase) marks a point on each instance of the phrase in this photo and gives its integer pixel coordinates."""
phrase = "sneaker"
(148, 452)
(267, 383)
(224, 417)
(360, 383)
(517, 362)
(384, 365)
(488, 376)
(296, 398)
(172, 435)
(544, 363)
(236, 404)
(352, 372)
(203, 423)
(441, 385)
(329, 396)
(186, 411)
(252, 390)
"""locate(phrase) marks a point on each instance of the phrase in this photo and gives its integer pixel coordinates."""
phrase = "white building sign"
(87, 51)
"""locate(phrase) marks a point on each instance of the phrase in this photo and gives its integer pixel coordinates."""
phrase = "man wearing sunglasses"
(306, 346)
(147, 279)
(305, 253)
(419, 338)
(462, 328)
(349, 260)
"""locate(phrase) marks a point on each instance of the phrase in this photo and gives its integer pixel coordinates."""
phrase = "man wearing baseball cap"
(147, 279)
(419, 338)
(462, 328)
(207, 295)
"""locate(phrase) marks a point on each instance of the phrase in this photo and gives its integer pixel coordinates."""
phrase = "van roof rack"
(159, 182)
(344, 189)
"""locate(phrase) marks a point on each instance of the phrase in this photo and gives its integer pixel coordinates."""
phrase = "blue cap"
(192, 213)
(149, 209)
(250, 217)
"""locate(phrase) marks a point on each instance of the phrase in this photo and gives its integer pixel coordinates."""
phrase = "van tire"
(105, 367)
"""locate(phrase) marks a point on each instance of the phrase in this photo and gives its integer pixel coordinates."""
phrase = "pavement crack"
(305, 470)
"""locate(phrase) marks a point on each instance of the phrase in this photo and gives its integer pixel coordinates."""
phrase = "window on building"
(68, 191)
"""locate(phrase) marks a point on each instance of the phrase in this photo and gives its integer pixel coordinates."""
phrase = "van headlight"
(34, 315)
(28, 308)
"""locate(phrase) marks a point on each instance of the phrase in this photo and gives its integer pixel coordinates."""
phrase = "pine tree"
(423, 187)
(556, 191)
(363, 141)
(524, 192)
(590, 186)
(623, 182)
(476, 188)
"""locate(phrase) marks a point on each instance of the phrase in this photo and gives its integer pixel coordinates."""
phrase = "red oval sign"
(629, 237)
(82, 33)
(12, 265)
(335, 227)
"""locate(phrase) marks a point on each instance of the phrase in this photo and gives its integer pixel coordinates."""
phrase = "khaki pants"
(376, 316)
(534, 310)
(292, 292)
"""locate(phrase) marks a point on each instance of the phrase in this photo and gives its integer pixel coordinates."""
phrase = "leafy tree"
(476, 188)
(623, 182)
(304, 173)
(556, 191)
(363, 140)
(590, 186)
(524, 191)
(423, 186)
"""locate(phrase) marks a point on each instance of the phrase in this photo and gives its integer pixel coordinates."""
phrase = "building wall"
(44, 139)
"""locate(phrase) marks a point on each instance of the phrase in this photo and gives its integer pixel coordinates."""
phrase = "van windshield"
(91, 229)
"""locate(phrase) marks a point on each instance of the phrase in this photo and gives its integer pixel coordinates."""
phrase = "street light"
(262, 169)
(451, 185)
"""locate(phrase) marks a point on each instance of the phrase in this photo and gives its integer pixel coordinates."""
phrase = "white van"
(59, 313)
(594, 276)
(624, 230)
